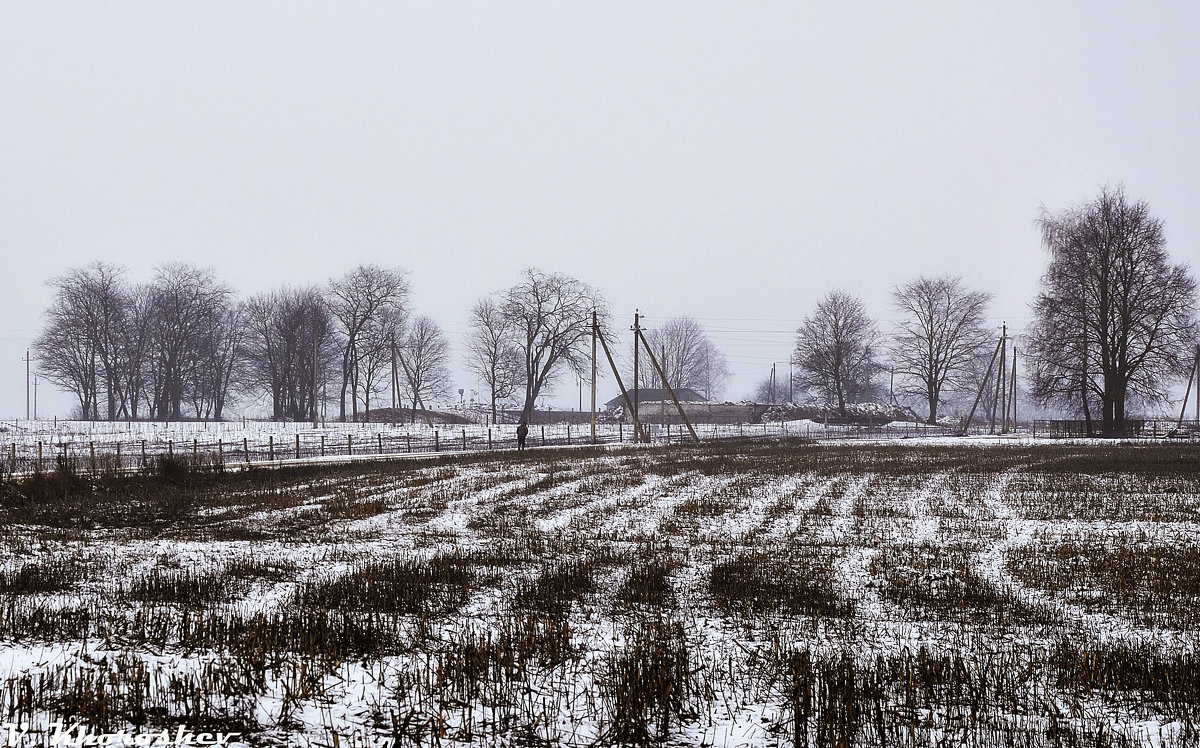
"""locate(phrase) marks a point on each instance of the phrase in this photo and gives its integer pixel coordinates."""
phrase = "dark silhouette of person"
(522, 432)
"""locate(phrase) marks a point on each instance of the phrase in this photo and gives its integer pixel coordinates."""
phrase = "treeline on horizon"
(1114, 325)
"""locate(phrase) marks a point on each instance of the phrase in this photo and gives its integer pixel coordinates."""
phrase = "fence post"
(118, 455)
(297, 446)
(379, 439)
(171, 448)
(195, 451)
(621, 432)
(271, 447)
(246, 449)
(143, 453)
(349, 445)
(568, 433)
(322, 445)
(220, 451)
(408, 442)
(543, 436)
(464, 432)
(489, 440)
(39, 465)
(435, 440)
(92, 449)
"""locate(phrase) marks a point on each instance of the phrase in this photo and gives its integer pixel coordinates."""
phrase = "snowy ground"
(988, 593)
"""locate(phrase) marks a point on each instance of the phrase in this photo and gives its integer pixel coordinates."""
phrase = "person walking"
(522, 432)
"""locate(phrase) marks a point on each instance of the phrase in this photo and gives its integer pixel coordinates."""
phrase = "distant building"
(647, 396)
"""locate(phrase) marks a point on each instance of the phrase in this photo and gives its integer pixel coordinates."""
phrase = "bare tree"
(375, 359)
(87, 321)
(68, 358)
(688, 356)
(187, 305)
(836, 348)
(135, 351)
(939, 337)
(355, 300)
(551, 315)
(1114, 321)
(492, 353)
(284, 331)
(216, 358)
(424, 357)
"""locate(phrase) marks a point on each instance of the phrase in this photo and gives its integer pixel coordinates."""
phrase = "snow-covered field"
(727, 594)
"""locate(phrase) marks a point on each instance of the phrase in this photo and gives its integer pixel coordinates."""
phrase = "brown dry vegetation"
(810, 595)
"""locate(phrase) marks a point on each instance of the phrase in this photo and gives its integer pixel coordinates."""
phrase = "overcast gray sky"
(731, 161)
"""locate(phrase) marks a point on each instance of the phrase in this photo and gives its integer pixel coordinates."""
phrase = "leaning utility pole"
(620, 384)
(982, 386)
(662, 373)
(637, 334)
(1193, 374)
(27, 384)
(595, 332)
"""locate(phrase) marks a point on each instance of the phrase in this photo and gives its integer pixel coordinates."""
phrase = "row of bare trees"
(935, 349)
(155, 350)
(1114, 324)
(181, 346)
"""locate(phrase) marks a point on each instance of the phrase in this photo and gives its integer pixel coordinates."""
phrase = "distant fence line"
(1135, 428)
(114, 446)
(109, 446)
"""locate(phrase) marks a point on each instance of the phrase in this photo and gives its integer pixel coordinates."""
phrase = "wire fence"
(36, 446)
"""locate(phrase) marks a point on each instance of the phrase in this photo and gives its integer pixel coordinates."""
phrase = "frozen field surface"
(968, 592)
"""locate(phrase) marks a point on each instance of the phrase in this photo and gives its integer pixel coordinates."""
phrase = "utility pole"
(26, 384)
(1012, 388)
(662, 399)
(772, 384)
(595, 331)
(313, 395)
(997, 393)
(982, 386)
(1193, 374)
(637, 334)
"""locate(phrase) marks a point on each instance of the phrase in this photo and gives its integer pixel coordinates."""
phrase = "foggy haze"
(733, 162)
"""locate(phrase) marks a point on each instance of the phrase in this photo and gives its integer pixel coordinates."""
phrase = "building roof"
(648, 395)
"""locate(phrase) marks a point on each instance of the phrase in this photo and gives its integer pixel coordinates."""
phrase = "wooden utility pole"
(637, 334)
(1012, 388)
(27, 384)
(595, 332)
(1000, 389)
(982, 385)
(678, 406)
(313, 395)
(620, 384)
(662, 401)
(1194, 374)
